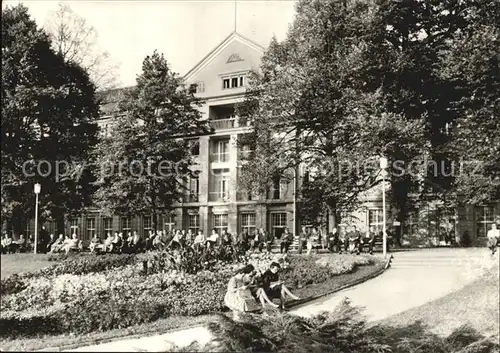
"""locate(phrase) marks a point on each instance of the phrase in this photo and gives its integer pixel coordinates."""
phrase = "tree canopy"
(48, 122)
(353, 80)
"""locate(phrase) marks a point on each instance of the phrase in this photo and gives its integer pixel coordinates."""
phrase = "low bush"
(342, 330)
(304, 271)
(12, 284)
(80, 264)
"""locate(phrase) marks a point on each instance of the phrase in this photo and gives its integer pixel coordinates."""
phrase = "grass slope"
(20, 263)
(476, 304)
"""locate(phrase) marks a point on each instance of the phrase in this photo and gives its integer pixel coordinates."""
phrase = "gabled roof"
(234, 36)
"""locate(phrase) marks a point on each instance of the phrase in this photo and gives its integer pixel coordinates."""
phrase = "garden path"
(415, 278)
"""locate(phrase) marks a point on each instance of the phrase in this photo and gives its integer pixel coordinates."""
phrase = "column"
(233, 170)
(204, 161)
(204, 224)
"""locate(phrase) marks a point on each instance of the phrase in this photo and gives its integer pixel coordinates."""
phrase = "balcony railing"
(229, 123)
(219, 157)
(222, 124)
(218, 196)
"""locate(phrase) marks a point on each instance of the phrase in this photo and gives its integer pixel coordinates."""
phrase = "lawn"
(477, 304)
(20, 263)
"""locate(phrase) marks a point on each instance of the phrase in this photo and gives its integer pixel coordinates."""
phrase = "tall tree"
(310, 88)
(413, 46)
(150, 144)
(77, 41)
(48, 121)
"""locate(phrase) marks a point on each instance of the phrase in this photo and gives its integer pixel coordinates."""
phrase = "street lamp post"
(38, 187)
(383, 167)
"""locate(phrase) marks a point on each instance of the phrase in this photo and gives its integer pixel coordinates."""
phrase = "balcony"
(218, 196)
(223, 124)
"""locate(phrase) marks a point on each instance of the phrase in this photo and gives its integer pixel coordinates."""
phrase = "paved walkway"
(415, 278)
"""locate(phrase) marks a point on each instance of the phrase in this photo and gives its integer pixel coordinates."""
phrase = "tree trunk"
(59, 219)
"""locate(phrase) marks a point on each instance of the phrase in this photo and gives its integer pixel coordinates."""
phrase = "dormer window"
(233, 81)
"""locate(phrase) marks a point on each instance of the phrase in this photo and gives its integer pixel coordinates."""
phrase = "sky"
(184, 31)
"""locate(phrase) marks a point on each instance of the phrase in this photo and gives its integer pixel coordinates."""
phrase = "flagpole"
(235, 13)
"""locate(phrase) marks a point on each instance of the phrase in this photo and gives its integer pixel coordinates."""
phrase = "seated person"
(7, 243)
(20, 243)
(286, 241)
(95, 244)
(117, 243)
(72, 244)
(199, 240)
(238, 296)
(177, 240)
(135, 243)
(158, 241)
(272, 288)
(189, 237)
(108, 243)
(370, 239)
(149, 240)
(213, 239)
(57, 245)
(226, 238)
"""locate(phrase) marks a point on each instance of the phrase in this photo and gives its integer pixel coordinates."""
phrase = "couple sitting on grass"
(245, 289)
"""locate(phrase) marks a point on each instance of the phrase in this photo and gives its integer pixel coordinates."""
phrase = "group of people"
(351, 241)
(9, 245)
(250, 291)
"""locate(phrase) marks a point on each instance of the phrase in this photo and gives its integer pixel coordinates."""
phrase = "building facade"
(213, 200)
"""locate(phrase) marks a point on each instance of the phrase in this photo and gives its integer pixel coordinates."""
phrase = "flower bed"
(85, 293)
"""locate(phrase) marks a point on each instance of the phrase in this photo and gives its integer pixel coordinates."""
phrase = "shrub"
(12, 284)
(87, 263)
(304, 271)
(342, 330)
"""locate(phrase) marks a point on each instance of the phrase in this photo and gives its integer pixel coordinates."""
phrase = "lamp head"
(38, 187)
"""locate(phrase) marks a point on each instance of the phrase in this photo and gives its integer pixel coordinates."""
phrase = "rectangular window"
(247, 222)
(485, 217)
(200, 87)
(107, 225)
(375, 220)
(147, 222)
(169, 224)
(219, 188)
(74, 226)
(220, 222)
(91, 229)
(220, 151)
(278, 224)
(194, 189)
(125, 225)
(233, 81)
(194, 223)
(278, 189)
